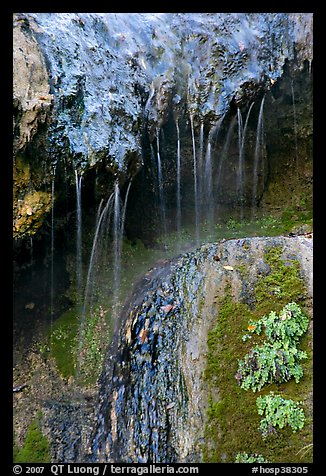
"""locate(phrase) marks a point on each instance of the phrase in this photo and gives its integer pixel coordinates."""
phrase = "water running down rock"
(152, 405)
(144, 129)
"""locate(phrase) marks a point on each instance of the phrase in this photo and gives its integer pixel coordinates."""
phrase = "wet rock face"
(107, 70)
(89, 87)
(153, 395)
(103, 67)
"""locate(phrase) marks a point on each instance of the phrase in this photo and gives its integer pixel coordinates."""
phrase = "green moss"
(21, 177)
(232, 419)
(63, 342)
(272, 225)
(282, 285)
(79, 348)
(95, 336)
(36, 448)
(243, 270)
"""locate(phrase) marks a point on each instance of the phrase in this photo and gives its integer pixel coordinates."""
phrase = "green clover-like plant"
(252, 458)
(279, 412)
(278, 358)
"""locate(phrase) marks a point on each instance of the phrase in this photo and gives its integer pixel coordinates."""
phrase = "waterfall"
(160, 183)
(195, 177)
(118, 230)
(209, 184)
(295, 129)
(207, 180)
(125, 208)
(110, 221)
(245, 127)
(200, 173)
(79, 266)
(52, 254)
(102, 216)
(241, 179)
(259, 156)
(224, 154)
(241, 164)
(178, 214)
(92, 261)
(116, 237)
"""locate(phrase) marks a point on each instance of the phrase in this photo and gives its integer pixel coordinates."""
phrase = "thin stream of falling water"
(52, 256)
(92, 273)
(160, 183)
(241, 174)
(195, 177)
(118, 223)
(79, 271)
(116, 236)
(207, 181)
(125, 207)
(220, 168)
(259, 154)
(295, 129)
(241, 164)
(262, 152)
(91, 278)
(245, 126)
(209, 184)
(178, 217)
(224, 153)
(200, 172)
(100, 215)
(309, 66)
(105, 224)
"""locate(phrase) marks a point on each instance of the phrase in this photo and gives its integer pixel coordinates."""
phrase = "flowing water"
(103, 218)
(118, 231)
(200, 172)
(116, 241)
(207, 188)
(161, 185)
(195, 178)
(259, 158)
(178, 200)
(241, 163)
(241, 176)
(79, 265)
(52, 253)
(105, 259)
(144, 394)
(224, 157)
(145, 404)
(208, 191)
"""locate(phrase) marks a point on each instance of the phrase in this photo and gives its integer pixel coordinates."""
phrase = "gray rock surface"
(108, 72)
(153, 397)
